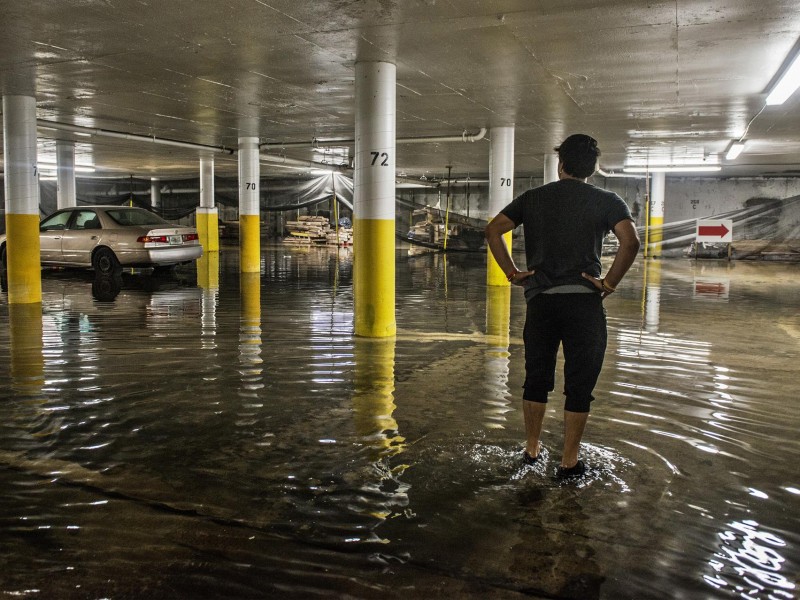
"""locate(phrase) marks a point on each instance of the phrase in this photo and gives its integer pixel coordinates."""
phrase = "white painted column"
(65, 167)
(501, 191)
(374, 200)
(155, 192)
(249, 206)
(207, 218)
(550, 167)
(22, 200)
(656, 221)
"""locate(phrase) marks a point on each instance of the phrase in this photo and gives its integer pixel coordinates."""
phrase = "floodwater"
(204, 436)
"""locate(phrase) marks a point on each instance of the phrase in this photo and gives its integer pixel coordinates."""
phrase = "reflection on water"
(206, 434)
(751, 562)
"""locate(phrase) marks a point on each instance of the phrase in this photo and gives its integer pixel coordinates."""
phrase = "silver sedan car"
(107, 238)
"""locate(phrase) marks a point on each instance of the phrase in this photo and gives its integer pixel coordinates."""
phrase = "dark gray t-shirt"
(564, 224)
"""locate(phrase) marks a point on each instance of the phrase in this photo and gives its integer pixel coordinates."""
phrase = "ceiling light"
(788, 83)
(46, 165)
(734, 151)
(673, 169)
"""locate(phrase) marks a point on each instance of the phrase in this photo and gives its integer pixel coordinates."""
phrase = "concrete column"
(550, 167)
(22, 200)
(155, 192)
(249, 206)
(501, 191)
(65, 165)
(374, 202)
(207, 218)
(656, 220)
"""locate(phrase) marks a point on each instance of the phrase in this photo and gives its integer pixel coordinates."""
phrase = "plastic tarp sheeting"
(180, 198)
(765, 228)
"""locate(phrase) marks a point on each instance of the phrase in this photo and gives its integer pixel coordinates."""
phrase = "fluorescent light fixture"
(787, 84)
(734, 151)
(52, 167)
(674, 169)
(610, 174)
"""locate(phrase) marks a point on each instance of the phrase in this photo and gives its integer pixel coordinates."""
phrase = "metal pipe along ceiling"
(464, 137)
(45, 124)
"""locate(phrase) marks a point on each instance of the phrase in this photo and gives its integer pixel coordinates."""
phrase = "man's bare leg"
(534, 416)
(574, 424)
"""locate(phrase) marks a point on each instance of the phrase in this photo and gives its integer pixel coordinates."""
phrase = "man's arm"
(494, 231)
(626, 254)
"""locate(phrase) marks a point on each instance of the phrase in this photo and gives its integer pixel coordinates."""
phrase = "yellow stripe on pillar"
(656, 236)
(373, 277)
(494, 274)
(208, 229)
(22, 254)
(250, 243)
(208, 270)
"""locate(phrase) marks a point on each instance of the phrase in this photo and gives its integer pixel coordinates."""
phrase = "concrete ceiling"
(657, 81)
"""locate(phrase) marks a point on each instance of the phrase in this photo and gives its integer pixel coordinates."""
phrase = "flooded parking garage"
(192, 436)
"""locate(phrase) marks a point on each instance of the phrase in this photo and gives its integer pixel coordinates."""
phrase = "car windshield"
(55, 222)
(135, 216)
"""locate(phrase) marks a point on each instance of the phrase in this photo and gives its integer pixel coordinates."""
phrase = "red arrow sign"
(713, 230)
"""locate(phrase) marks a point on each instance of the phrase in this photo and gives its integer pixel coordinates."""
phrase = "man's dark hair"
(578, 154)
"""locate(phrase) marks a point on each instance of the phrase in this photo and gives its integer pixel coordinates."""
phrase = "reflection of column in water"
(208, 280)
(652, 294)
(656, 215)
(750, 558)
(250, 331)
(27, 359)
(373, 406)
(498, 316)
(373, 399)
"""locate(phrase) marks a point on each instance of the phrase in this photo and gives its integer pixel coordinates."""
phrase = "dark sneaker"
(571, 472)
(527, 459)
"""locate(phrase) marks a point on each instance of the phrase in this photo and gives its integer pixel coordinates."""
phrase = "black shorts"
(578, 321)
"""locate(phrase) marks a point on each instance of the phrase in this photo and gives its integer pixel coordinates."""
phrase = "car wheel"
(105, 261)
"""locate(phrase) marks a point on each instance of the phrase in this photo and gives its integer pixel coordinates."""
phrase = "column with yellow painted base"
(501, 192)
(249, 207)
(374, 200)
(22, 200)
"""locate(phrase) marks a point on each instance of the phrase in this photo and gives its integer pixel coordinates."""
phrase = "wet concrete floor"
(207, 435)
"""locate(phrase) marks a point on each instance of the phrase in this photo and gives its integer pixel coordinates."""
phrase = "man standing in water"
(564, 224)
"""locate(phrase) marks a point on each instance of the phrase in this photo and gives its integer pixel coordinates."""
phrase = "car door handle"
(94, 237)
